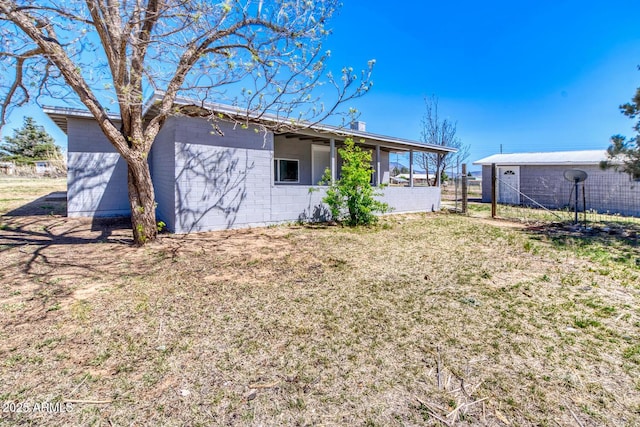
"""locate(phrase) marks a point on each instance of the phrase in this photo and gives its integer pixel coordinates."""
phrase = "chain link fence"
(452, 192)
(603, 197)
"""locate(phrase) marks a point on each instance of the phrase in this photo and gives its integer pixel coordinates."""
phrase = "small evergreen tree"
(624, 155)
(29, 143)
(351, 198)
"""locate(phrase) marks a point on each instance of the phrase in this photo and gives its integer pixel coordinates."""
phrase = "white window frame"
(277, 169)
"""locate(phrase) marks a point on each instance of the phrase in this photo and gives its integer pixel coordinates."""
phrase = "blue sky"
(530, 75)
(527, 75)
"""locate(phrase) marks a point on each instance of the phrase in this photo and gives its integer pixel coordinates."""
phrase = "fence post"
(464, 188)
(494, 190)
(456, 181)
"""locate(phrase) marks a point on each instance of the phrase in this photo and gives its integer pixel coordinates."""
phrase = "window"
(286, 170)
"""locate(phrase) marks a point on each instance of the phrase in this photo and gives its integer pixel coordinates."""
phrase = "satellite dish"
(575, 175)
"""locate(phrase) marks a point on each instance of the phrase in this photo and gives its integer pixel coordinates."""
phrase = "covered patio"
(315, 150)
(300, 159)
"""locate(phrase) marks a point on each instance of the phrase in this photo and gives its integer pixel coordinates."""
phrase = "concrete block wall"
(292, 203)
(297, 203)
(97, 175)
(605, 190)
(412, 199)
(162, 160)
(207, 181)
(546, 185)
(221, 181)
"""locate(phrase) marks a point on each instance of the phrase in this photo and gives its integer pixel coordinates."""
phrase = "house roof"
(59, 116)
(562, 158)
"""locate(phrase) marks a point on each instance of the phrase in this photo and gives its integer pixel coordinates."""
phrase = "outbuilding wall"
(604, 190)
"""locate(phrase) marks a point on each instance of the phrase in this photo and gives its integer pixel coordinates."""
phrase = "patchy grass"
(17, 192)
(533, 214)
(424, 320)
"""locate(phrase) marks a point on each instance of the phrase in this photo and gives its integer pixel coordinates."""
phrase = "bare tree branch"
(17, 83)
(52, 49)
(264, 57)
(438, 131)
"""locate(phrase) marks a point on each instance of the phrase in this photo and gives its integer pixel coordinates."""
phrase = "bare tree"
(109, 54)
(438, 131)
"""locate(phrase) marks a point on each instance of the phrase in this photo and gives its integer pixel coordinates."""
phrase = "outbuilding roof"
(582, 157)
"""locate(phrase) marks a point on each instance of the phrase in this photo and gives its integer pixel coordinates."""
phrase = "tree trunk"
(142, 201)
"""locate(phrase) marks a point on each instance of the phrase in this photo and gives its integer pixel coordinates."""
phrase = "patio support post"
(410, 168)
(332, 155)
(378, 180)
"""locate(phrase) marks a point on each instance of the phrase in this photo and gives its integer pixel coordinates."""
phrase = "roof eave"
(306, 128)
(59, 116)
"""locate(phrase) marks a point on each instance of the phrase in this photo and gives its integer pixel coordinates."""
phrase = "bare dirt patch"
(424, 320)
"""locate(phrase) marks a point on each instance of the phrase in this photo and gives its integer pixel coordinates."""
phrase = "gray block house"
(232, 176)
(527, 177)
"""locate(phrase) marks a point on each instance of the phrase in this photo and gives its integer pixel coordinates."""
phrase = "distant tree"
(263, 56)
(30, 142)
(442, 132)
(351, 198)
(624, 155)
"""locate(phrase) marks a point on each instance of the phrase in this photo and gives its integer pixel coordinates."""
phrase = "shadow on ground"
(37, 242)
(44, 259)
(30, 230)
(54, 203)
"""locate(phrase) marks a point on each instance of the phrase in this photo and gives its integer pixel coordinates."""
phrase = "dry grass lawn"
(425, 320)
(27, 196)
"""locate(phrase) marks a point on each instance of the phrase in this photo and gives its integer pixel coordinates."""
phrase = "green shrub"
(351, 198)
